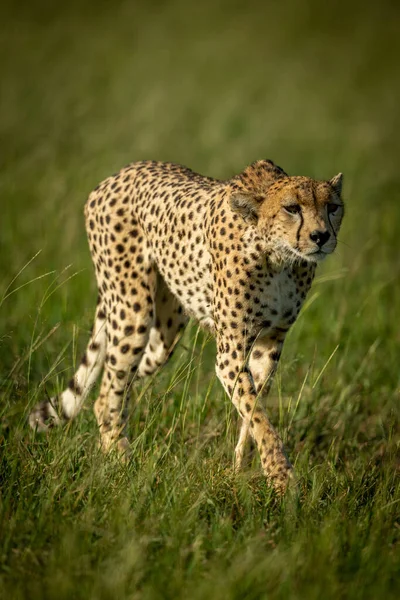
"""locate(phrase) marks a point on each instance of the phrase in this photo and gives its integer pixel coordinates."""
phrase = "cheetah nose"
(320, 237)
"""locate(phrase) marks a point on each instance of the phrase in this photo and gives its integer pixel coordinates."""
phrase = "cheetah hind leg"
(66, 406)
(140, 344)
(128, 331)
(165, 333)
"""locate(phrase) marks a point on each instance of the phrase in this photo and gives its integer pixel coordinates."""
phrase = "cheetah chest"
(280, 301)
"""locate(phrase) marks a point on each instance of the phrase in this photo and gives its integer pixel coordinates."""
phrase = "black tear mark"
(300, 227)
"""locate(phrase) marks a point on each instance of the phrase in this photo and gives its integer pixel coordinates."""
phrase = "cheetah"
(238, 255)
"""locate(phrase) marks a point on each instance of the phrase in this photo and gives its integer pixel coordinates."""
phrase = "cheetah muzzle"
(238, 255)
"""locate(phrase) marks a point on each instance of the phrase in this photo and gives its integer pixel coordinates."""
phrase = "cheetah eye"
(293, 209)
(332, 208)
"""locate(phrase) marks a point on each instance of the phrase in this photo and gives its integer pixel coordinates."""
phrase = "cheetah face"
(297, 217)
(304, 219)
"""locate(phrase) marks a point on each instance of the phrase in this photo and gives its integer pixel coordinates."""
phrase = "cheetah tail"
(67, 405)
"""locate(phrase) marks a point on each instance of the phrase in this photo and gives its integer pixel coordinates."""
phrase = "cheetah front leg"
(263, 362)
(237, 380)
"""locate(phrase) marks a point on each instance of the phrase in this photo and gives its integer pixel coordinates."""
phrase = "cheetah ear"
(246, 205)
(337, 182)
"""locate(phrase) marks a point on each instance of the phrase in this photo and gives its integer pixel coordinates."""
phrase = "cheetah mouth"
(290, 254)
(316, 255)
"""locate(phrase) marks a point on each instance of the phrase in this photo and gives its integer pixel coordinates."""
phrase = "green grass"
(87, 88)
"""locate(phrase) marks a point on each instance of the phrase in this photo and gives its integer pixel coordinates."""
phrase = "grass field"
(87, 88)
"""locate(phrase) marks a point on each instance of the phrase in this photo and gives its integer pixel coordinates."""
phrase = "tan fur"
(238, 255)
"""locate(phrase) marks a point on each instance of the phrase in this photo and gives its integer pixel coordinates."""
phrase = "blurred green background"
(87, 87)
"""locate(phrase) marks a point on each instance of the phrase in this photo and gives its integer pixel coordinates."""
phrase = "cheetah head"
(298, 218)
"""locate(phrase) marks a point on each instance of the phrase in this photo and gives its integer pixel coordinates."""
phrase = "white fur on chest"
(282, 290)
(278, 300)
